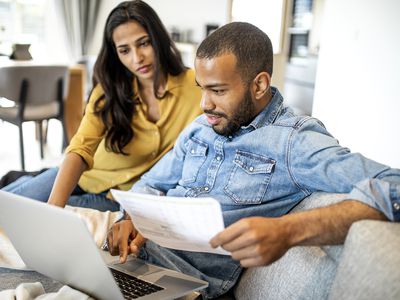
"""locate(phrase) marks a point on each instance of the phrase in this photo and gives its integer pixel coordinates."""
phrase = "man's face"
(226, 101)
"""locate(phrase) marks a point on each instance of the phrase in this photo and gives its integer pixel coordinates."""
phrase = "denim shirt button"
(206, 188)
(192, 151)
(396, 206)
(251, 169)
(218, 158)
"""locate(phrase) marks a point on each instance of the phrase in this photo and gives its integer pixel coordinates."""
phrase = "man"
(259, 160)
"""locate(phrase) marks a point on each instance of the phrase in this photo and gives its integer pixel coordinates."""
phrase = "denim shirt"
(269, 166)
(264, 169)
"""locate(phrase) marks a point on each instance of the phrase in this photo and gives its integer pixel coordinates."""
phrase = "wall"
(318, 18)
(191, 14)
(185, 15)
(358, 77)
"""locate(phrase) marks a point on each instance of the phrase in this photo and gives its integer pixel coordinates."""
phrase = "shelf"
(298, 30)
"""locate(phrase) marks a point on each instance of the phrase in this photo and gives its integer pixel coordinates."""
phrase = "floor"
(10, 152)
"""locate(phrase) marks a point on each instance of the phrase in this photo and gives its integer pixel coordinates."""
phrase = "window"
(34, 22)
(22, 22)
(265, 14)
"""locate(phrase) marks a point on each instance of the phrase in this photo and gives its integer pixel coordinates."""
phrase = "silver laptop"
(57, 243)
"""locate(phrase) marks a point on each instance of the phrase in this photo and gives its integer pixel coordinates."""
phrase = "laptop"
(57, 243)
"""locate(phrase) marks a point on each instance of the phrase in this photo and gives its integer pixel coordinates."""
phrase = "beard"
(243, 115)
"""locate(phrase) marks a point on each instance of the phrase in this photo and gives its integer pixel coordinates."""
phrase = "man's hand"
(124, 239)
(259, 241)
(254, 241)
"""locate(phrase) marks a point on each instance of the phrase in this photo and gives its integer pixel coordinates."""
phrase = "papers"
(172, 222)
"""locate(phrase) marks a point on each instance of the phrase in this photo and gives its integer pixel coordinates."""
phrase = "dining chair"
(38, 93)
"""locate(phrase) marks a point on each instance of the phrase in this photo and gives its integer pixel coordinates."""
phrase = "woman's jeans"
(40, 186)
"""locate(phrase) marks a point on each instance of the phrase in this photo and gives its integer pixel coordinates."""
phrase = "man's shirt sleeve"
(317, 162)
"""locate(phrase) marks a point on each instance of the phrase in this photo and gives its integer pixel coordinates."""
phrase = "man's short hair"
(251, 46)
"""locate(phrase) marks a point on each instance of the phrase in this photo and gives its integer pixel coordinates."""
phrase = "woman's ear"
(261, 84)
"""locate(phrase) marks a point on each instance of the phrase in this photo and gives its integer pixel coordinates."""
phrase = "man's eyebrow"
(212, 85)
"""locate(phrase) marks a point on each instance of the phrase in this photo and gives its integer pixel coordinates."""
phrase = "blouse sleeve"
(90, 132)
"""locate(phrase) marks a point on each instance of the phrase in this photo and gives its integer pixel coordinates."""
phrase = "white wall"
(182, 14)
(191, 14)
(358, 77)
(317, 20)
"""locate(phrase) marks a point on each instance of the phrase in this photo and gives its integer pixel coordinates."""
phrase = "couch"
(367, 266)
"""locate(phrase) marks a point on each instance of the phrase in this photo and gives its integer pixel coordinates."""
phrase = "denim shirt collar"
(268, 114)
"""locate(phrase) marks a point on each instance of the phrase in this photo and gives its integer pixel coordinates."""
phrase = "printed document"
(174, 222)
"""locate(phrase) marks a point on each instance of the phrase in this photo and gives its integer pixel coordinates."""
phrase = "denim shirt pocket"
(196, 154)
(249, 178)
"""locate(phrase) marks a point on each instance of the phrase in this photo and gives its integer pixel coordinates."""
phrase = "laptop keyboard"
(132, 287)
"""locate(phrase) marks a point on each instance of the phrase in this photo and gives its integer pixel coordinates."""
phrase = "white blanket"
(35, 291)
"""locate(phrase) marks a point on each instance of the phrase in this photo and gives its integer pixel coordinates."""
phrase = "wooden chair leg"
(21, 146)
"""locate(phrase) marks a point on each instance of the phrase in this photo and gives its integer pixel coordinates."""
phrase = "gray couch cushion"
(302, 273)
(370, 263)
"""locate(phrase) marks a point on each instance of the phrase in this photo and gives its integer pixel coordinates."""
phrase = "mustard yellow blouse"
(151, 141)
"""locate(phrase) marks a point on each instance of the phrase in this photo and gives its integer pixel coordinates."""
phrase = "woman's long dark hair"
(118, 108)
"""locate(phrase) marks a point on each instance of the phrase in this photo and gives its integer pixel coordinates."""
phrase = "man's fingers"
(228, 234)
(252, 262)
(137, 243)
(123, 239)
(111, 240)
(240, 241)
(246, 252)
(125, 231)
(260, 257)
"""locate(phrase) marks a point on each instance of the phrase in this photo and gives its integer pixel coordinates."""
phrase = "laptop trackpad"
(137, 267)
(176, 283)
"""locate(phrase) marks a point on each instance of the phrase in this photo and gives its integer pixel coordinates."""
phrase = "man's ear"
(261, 84)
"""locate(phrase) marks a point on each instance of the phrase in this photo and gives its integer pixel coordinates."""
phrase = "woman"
(143, 97)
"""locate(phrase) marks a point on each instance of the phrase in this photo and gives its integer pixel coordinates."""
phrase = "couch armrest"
(302, 273)
(370, 262)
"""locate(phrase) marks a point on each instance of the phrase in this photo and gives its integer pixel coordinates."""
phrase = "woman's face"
(134, 49)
